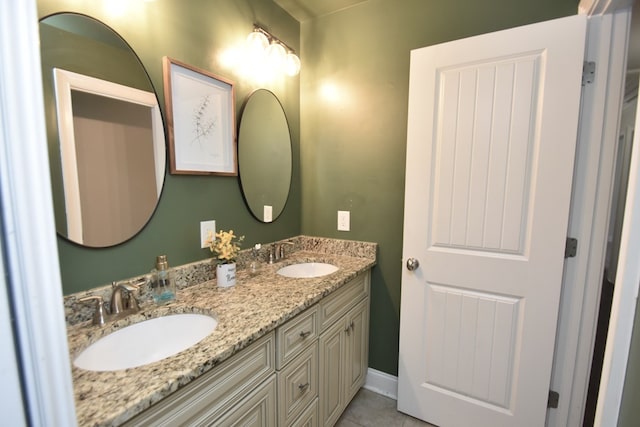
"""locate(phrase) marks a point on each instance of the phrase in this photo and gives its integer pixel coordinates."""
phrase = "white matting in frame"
(201, 121)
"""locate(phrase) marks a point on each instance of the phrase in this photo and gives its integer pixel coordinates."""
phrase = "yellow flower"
(223, 245)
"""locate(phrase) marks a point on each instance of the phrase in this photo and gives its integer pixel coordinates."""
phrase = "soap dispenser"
(164, 284)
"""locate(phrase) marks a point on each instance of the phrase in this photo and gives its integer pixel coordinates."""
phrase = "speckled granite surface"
(256, 305)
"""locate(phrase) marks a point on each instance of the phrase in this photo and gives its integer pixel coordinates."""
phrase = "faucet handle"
(98, 315)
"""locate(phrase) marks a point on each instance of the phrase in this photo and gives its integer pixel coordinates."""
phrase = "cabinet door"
(309, 417)
(258, 409)
(332, 356)
(298, 385)
(357, 349)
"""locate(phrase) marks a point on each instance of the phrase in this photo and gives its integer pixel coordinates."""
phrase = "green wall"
(195, 32)
(353, 136)
(350, 142)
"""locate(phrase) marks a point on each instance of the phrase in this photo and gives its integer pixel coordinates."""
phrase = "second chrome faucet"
(277, 252)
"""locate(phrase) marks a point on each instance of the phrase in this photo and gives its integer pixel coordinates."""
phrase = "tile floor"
(369, 409)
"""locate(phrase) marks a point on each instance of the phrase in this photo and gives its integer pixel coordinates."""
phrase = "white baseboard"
(382, 383)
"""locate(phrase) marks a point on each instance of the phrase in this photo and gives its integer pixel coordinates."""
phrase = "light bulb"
(292, 64)
(257, 43)
(276, 56)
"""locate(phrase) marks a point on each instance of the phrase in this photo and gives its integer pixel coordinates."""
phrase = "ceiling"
(303, 10)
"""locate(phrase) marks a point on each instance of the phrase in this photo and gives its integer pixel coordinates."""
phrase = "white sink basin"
(307, 270)
(146, 342)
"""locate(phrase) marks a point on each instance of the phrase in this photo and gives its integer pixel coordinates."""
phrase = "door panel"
(484, 150)
(476, 333)
(332, 356)
(490, 148)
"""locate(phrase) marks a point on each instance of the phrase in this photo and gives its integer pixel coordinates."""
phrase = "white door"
(491, 142)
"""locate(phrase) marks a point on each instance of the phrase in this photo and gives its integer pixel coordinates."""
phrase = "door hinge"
(588, 72)
(570, 247)
(554, 398)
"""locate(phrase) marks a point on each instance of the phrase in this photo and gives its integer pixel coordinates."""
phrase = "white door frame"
(602, 101)
(589, 219)
(28, 228)
(624, 300)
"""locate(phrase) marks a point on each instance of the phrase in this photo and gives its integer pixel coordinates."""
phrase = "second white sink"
(146, 342)
(307, 270)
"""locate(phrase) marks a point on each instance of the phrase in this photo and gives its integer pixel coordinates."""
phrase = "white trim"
(382, 383)
(589, 218)
(624, 299)
(601, 7)
(27, 222)
(11, 404)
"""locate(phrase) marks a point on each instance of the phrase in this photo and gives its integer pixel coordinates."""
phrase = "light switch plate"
(267, 213)
(344, 221)
(205, 228)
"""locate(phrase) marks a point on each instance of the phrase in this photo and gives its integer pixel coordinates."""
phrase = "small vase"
(226, 275)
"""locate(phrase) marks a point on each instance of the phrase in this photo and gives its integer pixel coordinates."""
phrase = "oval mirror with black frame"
(107, 148)
(264, 155)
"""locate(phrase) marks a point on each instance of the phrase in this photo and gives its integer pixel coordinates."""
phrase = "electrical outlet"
(205, 228)
(343, 221)
(267, 214)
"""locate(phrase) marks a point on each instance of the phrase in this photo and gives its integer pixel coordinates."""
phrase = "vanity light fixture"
(266, 48)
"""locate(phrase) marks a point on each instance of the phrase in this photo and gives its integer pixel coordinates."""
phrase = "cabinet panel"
(340, 302)
(332, 355)
(309, 418)
(258, 409)
(298, 385)
(209, 396)
(295, 335)
(357, 349)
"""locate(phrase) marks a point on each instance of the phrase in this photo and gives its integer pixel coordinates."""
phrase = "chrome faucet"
(120, 306)
(277, 252)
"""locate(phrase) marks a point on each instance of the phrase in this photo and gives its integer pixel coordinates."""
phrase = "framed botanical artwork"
(200, 113)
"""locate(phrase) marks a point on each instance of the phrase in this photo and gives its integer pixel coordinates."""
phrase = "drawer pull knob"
(349, 328)
(303, 387)
(305, 334)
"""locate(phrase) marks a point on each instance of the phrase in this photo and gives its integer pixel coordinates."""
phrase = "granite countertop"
(256, 305)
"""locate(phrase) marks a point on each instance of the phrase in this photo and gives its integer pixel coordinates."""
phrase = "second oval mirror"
(264, 155)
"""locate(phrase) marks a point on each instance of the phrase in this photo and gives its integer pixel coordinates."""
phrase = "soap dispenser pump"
(164, 284)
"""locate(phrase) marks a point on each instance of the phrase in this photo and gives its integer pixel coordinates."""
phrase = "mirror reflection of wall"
(116, 171)
(264, 155)
(105, 132)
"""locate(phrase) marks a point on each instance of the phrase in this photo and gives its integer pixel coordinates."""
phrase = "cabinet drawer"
(295, 335)
(337, 304)
(298, 385)
(258, 409)
(309, 417)
(214, 393)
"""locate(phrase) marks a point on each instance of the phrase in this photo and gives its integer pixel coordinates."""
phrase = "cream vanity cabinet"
(303, 374)
(344, 347)
(322, 355)
(241, 391)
